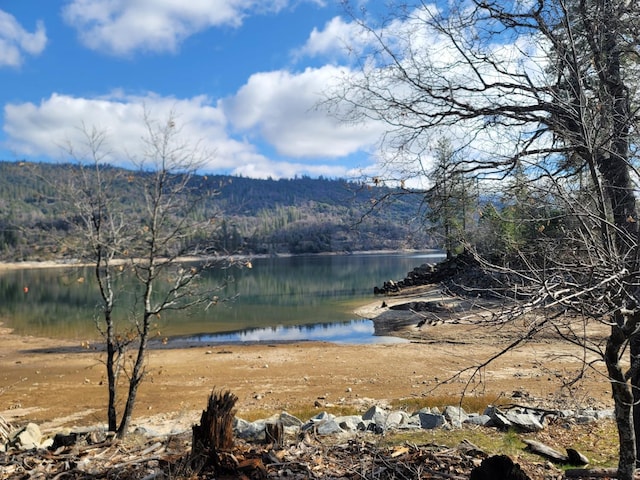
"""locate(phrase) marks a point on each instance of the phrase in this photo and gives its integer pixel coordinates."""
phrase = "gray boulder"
(351, 423)
(475, 419)
(376, 415)
(429, 421)
(396, 419)
(455, 415)
(253, 431)
(328, 427)
(289, 420)
(523, 421)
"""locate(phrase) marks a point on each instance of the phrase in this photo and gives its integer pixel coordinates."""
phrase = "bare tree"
(157, 245)
(549, 86)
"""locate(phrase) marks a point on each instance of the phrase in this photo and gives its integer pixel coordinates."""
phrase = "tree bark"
(623, 400)
(215, 431)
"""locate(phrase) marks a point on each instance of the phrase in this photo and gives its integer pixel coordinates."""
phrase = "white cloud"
(281, 107)
(120, 27)
(47, 129)
(15, 41)
(337, 38)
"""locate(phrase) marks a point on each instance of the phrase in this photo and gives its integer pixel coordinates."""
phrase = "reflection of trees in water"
(287, 291)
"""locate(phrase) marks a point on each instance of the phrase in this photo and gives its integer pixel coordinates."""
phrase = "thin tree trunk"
(136, 378)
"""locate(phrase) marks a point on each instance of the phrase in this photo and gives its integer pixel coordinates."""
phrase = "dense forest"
(301, 215)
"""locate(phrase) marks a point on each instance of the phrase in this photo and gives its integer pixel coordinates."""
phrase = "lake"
(279, 299)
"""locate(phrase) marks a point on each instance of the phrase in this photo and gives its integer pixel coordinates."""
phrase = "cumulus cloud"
(282, 108)
(15, 41)
(337, 38)
(49, 128)
(120, 27)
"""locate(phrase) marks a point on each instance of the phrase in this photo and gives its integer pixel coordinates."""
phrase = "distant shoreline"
(41, 264)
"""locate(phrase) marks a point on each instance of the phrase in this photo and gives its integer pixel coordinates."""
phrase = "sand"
(60, 383)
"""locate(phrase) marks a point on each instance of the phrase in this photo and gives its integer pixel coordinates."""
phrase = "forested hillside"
(302, 215)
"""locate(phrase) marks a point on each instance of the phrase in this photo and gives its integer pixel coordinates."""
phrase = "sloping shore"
(41, 382)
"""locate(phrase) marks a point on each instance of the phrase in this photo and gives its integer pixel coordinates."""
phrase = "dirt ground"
(56, 383)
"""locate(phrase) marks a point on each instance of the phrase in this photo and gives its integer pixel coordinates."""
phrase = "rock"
(289, 420)
(429, 421)
(395, 420)
(576, 458)
(328, 427)
(351, 423)
(498, 467)
(455, 415)
(525, 422)
(249, 430)
(26, 438)
(376, 415)
(475, 419)
(497, 418)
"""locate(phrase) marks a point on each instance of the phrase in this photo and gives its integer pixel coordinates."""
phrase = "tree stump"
(214, 434)
(274, 434)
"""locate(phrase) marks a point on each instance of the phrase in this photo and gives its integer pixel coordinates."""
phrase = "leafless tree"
(549, 86)
(157, 245)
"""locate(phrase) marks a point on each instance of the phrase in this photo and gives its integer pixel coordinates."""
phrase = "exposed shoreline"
(34, 264)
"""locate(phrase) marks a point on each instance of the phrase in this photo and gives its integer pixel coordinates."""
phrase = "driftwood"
(573, 457)
(595, 473)
(546, 451)
(5, 430)
(162, 458)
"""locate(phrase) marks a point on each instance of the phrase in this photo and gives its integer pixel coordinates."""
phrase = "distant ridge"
(259, 216)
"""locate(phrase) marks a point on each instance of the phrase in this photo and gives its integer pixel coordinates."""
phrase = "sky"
(242, 78)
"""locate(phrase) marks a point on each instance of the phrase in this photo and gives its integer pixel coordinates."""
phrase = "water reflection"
(281, 293)
(353, 332)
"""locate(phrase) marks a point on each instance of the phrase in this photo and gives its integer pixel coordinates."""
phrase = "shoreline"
(47, 381)
(36, 264)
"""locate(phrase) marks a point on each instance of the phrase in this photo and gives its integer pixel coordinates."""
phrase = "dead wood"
(546, 451)
(586, 473)
(214, 434)
(169, 458)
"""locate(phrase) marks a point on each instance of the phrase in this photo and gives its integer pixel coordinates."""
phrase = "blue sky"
(241, 76)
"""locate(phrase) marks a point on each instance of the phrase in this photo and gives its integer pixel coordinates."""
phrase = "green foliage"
(301, 215)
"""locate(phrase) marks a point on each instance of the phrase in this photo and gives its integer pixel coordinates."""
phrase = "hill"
(259, 216)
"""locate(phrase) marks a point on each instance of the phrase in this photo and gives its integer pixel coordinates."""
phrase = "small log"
(591, 473)
(546, 451)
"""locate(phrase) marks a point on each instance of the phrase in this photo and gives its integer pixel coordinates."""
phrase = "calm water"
(288, 298)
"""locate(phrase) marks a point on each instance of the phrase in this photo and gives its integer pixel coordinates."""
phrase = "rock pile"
(378, 420)
(91, 453)
(429, 274)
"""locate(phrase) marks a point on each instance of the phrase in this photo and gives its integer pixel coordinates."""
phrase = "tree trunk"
(136, 378)
(623, 399)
